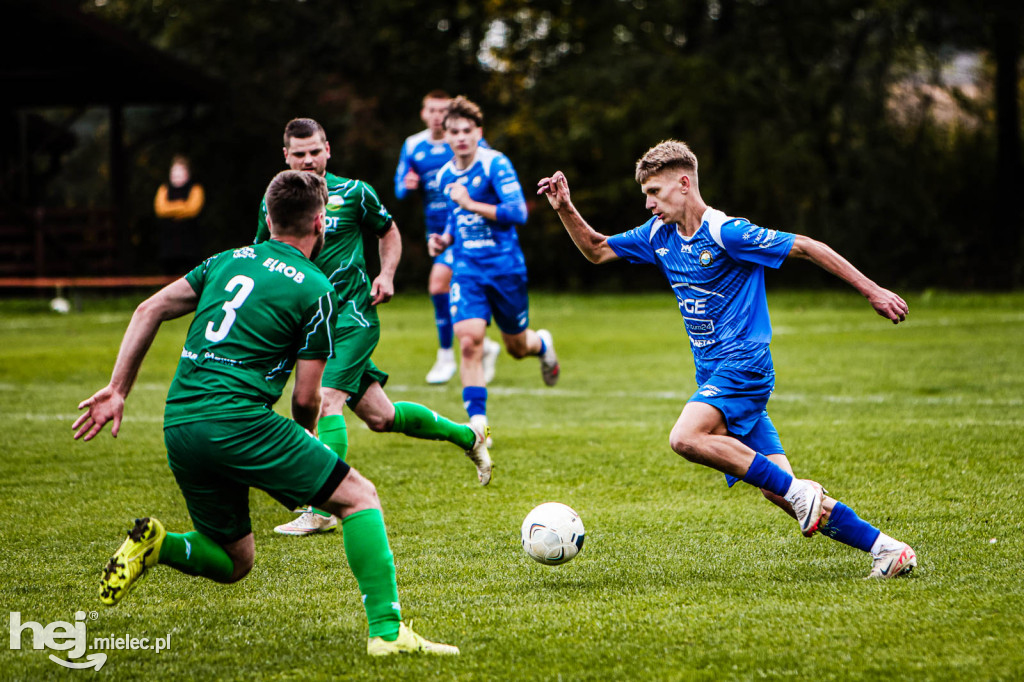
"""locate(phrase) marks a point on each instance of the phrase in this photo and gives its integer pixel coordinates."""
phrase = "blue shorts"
(479, 296)
(445, 258)
(742, 397)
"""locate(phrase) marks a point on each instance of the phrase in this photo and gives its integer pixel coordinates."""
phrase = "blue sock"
(764, 473)
(474, 398)
(443, 317)
(845, 526)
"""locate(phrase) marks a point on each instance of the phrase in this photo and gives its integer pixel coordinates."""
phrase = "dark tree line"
(816, 116)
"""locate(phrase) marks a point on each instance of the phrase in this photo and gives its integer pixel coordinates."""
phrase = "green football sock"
(196, 554)
(373, 565)
(334, 434)
(422, 422)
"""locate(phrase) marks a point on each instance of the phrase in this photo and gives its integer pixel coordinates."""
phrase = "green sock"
(195, 554)
(422, 422)
(373, 565)
(334, 434)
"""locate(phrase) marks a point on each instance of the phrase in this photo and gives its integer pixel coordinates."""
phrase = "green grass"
(917, 427)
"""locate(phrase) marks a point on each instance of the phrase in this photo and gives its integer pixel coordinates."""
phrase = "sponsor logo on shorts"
(709, 390)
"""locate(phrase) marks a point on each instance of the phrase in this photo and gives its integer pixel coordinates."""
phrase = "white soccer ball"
(552, 533)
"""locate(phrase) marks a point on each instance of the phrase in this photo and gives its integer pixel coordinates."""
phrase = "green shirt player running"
(259, 311)
(351, 377)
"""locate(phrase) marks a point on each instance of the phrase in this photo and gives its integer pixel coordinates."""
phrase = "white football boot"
(549, 368)
(891, 563)
(308, 522)
(479, 454)
(444, 367)
(806, 499)
(478, 422)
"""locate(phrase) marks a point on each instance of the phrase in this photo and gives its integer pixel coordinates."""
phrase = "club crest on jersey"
(476, 181)
(419, 156)
(706, 258)
(334, 202)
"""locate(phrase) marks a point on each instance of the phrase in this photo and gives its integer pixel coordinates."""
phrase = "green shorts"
(351, 369)
(216, 462)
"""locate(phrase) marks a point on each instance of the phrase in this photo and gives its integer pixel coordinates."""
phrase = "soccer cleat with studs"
(807, 505)
(308, 522)
(444, 367)
(139, 552)
(478, 454)
(408, 642)
(549, 367)
(893, 562)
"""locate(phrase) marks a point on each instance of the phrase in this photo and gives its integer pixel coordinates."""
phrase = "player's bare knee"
(685, 445)
(242, 554)
(516, 349)
(241, 569)
(364, 495)
(378, 423)
(471, 347)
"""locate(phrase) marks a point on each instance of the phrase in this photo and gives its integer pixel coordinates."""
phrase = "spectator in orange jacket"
(177, 206)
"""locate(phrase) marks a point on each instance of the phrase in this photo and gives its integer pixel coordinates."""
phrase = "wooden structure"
(85, 62)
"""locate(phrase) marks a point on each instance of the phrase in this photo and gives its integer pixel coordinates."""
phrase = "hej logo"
(58, 636)
(71, 637)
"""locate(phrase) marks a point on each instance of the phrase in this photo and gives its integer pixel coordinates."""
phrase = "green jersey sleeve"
(374, 216)
(262, 227)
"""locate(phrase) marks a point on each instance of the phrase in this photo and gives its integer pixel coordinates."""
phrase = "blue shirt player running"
(423, 155)
(486, 204)
(715, 265)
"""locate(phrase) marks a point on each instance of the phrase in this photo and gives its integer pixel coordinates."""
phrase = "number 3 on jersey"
(244, 285)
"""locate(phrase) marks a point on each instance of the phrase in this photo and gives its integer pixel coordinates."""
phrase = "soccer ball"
(552, 533)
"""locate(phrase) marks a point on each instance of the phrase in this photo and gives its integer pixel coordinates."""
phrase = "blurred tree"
(817, 116)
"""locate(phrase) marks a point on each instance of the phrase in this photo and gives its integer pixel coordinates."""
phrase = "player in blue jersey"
(715, 265)
(489, 278)
(423, 155)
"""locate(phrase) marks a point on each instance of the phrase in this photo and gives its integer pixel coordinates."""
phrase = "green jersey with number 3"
(260, 309)
(352, 206)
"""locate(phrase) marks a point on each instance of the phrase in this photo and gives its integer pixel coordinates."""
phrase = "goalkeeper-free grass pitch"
(918, 427)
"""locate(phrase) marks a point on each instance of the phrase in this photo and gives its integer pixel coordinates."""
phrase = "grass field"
(917, 427)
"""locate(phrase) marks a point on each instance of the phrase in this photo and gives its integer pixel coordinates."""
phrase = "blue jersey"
(718, 278)
(481, 245)
(425, 156)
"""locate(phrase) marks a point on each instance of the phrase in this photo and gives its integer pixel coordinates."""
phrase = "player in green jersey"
(351, 376)
(259, 311)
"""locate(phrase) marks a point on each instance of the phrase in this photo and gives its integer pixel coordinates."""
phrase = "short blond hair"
(668, 154)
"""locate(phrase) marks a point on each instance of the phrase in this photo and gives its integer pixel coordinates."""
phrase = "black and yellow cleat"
(137, 553)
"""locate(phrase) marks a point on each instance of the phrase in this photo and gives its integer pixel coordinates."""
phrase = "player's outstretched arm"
(589, 241)
(107, 404)
(886, 303)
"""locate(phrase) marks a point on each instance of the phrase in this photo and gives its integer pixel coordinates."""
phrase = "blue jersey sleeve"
(750, 243)
(635, 245)
(512, 204)
(403, 168)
